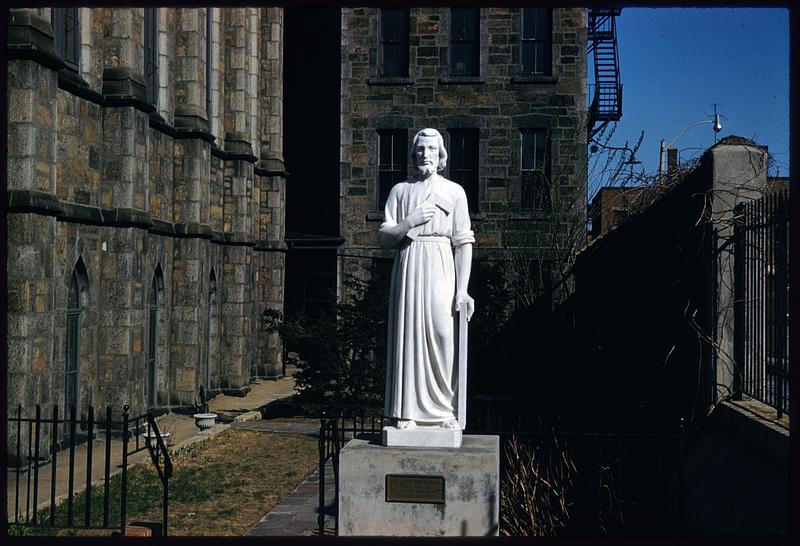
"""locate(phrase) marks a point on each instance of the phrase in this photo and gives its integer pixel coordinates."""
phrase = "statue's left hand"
(464, 301)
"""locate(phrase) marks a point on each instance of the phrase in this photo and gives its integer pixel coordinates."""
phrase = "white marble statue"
(426, 217)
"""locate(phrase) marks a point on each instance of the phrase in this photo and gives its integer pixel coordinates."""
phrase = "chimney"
(672, 160)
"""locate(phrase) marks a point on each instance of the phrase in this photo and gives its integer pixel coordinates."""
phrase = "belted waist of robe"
(432, 239)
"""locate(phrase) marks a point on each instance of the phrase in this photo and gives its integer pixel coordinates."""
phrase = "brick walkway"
(297, 514)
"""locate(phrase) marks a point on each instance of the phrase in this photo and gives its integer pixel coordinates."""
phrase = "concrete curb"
(216, 429)
(248, 416)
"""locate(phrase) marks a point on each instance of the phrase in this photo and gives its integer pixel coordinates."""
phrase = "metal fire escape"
(607, 90)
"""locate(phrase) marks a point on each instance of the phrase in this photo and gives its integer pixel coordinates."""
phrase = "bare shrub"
(534, 497)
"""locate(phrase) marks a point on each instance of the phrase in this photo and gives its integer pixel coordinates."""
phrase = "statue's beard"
(426, 171)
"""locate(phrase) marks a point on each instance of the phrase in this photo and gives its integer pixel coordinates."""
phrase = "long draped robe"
(420, 379)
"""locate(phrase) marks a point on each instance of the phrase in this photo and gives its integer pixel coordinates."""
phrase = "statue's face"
(426, 153)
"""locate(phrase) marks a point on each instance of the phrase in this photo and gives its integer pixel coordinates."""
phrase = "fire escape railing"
(606, 92)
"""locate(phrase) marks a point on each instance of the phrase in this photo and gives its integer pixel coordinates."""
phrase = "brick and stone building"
(507, 87)
(145, 204)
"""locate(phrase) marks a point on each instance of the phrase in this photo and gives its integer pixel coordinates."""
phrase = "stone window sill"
(461, 80)
(532, 215)
(535, 79)
(756, 424)
(390, 80)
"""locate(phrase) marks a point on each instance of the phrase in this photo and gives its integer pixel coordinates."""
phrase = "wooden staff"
(462, 367)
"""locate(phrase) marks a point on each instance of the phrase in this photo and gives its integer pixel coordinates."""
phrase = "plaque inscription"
(414, 488)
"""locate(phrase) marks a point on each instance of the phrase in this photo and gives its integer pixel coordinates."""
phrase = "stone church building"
(151, 218)
(145, 204)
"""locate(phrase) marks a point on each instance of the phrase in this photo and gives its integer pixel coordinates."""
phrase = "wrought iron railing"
(38, 446)
(761, 296)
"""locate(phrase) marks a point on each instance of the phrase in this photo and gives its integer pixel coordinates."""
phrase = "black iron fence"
(334, 432)
(40, 445)
(625, 480)
(761, 308)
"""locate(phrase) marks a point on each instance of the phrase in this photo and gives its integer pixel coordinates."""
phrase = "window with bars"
(463, 161)
(73, 337)
(152, 344)
(537, 41)
(67, 36)
(535, 171)
(394, 42)
(151, 54)
(464, 41)
(392, 161)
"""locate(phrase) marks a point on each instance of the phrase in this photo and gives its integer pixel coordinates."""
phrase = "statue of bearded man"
(426, 217)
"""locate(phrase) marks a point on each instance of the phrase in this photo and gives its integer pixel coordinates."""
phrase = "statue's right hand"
(421, 215)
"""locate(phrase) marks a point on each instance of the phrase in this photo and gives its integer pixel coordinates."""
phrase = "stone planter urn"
(151, 439)
(204, 421)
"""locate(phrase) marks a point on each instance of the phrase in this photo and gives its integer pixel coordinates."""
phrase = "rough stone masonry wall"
(498, 103)
(237, 197)
(31, 280)
(270, 192)
(102, 183)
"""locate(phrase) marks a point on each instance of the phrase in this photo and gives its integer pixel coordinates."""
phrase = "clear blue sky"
(676, 63)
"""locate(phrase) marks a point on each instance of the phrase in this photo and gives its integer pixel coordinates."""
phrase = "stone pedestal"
(419, 491)
(421, 437)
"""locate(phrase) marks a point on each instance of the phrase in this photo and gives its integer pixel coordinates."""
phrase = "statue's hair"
(442, 151)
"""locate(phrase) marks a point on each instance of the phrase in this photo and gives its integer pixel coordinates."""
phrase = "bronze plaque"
(414, 488)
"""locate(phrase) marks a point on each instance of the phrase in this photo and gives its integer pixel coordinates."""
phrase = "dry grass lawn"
(227, 483)
(219, 487)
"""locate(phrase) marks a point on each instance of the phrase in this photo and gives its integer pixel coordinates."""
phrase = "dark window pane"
(399, 151)
(536, 23)
(58, 30)
(385, 185)
(528, 23)
(472, 59)
(390, 64)
(464, 41)
(73, 303)
(153, 293)
(73, 333)
(394, 42)
(526, 189)
(457, 57)
(542, 25)
(66, 30)
(534, 178)
(392, 159)
(537, 41)
(151, 53)
(456, 24)
(394, 24)
(471, 20)
(535, 191)
(463, 160)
